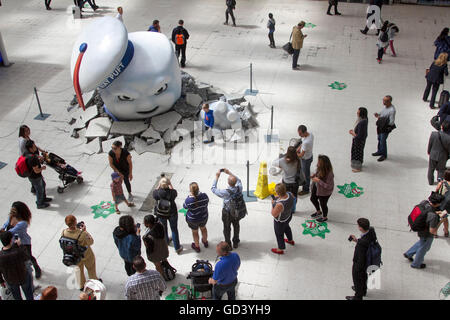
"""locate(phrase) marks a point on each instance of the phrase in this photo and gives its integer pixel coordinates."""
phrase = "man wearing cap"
(426, 236)
(297, 43)
(180, 36)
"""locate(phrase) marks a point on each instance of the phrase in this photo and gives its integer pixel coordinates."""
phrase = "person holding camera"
(18, 221)
(166, 210)
(128, 241)
(14, 272)
(428, 229)
(282, 215)
(385, 124)
(78, 231)
(234, 187)
(155, 242)
(359, 268)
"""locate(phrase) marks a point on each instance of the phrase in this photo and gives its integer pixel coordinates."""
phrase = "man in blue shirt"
(225, 274)
(154, 27)
(209, 123)
(234, 186)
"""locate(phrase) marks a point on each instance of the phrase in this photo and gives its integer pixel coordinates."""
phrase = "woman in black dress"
(359, 139)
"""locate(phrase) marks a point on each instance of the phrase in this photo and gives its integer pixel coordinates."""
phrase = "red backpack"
(179, 39)
(22, 167)
(417, 219)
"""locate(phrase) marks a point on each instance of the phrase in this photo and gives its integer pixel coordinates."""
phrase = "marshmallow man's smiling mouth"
(148, 112)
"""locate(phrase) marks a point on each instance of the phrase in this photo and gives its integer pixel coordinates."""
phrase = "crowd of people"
(17, 261)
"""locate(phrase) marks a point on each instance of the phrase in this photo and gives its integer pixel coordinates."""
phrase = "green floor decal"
(309, 25)
(104, 209)
(183, 210)
(351, 190)
(337, 85)
(180, 292)
(315, 228)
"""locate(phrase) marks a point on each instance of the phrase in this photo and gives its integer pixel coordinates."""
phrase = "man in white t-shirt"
(119, 14)
(305, 153)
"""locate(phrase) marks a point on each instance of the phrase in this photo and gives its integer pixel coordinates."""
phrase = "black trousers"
(360, 283)
(335, 7)
(181, 49)
(434, 92)
(228, 220)
(271, 39)
(229, 11)
(380, 53)
(30, 255)
(295, 57)
(319, 202)
(47, 3)
(126, 180)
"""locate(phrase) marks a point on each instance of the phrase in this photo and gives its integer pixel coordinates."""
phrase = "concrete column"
(3, 52)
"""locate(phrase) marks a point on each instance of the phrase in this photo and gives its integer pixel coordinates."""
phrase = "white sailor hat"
(100, 54)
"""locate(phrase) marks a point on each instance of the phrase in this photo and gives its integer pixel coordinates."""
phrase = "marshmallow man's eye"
(125, 98)
(161, 90)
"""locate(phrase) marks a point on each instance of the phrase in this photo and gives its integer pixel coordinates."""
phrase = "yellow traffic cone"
(262, 188)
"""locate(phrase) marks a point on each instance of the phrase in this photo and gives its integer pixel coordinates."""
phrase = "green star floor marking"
(309, 25)
(104, 209)
(183, 210)
(351, 190)
(337, 85)
(315, 228)
(180, 292)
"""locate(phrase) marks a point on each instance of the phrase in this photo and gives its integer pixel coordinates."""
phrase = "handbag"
(288, 46)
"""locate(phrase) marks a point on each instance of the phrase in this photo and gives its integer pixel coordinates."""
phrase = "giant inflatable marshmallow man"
(137, 74)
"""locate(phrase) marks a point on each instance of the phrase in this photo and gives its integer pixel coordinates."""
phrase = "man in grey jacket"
(438, 150)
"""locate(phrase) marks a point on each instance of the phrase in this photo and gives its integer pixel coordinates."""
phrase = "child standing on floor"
(117, 191)
(391, 31)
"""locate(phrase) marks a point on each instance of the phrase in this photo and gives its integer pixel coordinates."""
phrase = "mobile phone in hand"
(350, 238)
(222, 170)
(273, 197)
(138, 225)
(16, 237)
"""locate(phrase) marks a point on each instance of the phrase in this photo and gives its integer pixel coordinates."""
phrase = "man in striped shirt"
(144, 284)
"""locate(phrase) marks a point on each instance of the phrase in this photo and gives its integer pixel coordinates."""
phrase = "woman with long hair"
(435, 77)
(24, 136)
(197, 215)
(442, 43)
(155, 242)
(18, 222)
(359, 134)
(166, 193)
(291, 169)
(323, 185)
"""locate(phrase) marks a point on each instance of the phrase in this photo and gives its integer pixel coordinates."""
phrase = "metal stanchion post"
(40, 116)
(251, 92)
(249, 195)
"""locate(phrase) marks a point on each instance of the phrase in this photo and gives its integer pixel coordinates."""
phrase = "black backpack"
(384, 37)
(231, 3)
(445, 204)
(163, 208)
(72, 251)
(373, 256)
(236, 205)
(169, 272)
(417, 219)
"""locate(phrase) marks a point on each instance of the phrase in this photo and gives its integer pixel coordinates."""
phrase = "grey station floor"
(39, 42)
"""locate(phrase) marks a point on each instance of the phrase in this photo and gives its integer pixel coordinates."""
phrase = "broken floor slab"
(98, 127)
(128, 127)
(151, 133)
(107, 144)
(141, 146)
(165, 121)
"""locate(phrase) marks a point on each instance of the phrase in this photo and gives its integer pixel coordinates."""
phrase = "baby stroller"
(202, 270)
(67, 173)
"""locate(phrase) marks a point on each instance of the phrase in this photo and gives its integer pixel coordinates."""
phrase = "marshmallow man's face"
(151, 83)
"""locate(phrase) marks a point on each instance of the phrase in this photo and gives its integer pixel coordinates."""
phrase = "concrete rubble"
(160, 133)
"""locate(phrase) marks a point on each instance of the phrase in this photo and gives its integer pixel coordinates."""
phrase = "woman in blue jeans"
(163, 194)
